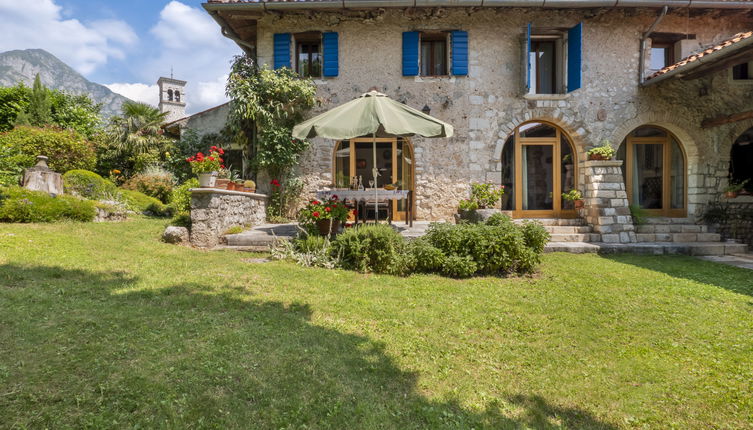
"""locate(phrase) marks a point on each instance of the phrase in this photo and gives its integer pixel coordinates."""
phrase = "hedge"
(66, 149)
(21, 205)
(89, 185)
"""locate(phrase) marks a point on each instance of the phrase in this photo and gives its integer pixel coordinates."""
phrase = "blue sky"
(126, 44)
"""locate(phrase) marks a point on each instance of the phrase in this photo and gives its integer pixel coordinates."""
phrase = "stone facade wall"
(214, 211)
(487, 105)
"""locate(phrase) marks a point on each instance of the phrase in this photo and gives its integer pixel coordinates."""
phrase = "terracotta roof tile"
(695, 57)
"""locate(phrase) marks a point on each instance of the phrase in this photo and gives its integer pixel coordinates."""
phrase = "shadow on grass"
(96, 351)
(731, 278)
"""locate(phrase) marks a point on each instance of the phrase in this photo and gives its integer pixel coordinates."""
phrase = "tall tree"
(39, 111)
(138, 130)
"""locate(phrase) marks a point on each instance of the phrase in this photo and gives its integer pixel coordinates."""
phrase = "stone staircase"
(661, 229)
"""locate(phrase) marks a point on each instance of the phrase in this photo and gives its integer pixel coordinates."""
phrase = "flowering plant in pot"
(603, 152)
(206, 166)
(482, 202)
(325, 216)
(574, 196)
(734, 188)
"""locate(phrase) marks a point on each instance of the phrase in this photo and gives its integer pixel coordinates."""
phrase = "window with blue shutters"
(410, 53)
(330, 43)
(553, 60)
(281, 50)
(459, 50)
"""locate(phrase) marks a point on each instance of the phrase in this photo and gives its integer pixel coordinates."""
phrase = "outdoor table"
(369, 195)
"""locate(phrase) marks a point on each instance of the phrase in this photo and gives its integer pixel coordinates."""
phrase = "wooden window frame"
(431, 38)
(666, 142)
(559, 72)
(310, 38)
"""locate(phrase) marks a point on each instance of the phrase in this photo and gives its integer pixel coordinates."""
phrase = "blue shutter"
(330, 45)
(410, 53)
(528, 58)
(281, 50)
(459, 53)
(574, 57)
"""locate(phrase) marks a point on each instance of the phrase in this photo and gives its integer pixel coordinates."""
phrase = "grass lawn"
(103, 326)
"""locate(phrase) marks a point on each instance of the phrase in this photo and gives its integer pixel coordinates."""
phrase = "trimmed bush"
(372, 248)
(156, 183)
(66, 149)
(21, 205)
(180, 198)
(141, 203)
(456, 266)
(535, 236)
(426, 258)
(89, 185)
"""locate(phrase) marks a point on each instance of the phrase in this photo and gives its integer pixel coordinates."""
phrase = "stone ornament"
(42, 178)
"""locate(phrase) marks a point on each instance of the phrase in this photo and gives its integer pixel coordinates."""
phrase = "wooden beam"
(701, 71)
(721, 120)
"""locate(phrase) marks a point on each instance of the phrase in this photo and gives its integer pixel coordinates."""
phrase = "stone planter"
(324, 226)
(207, 180)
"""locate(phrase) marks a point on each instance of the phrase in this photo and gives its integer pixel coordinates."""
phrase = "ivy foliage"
(267, 104)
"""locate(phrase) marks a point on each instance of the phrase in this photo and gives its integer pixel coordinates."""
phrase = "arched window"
(169, 95)
(177, 95)
(654, 171)
(538, 165)
(741, 160)
(394, 161)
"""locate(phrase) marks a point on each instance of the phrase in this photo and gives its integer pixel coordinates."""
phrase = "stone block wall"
(606, 204)
(214, 211)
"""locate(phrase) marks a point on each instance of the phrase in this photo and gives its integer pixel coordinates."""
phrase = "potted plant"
(734, 188)
(207, 166)
(603, 152)
(481, 205)
(574, 196)
(239, 185)
(222, 178)
(324, 217)
(249, 186)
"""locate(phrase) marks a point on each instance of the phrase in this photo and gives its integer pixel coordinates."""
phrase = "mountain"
(23, 65)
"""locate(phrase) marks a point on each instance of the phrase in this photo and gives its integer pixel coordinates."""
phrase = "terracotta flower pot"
(597, 157)
(230, 186)
(730, 194)
(324, 226)
(578, 203)
(221, 183)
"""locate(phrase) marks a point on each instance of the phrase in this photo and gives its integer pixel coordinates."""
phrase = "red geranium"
(275, 182)
(328, 209)
(315, 214)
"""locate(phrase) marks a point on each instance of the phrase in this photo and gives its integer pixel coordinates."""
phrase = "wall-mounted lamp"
(426, 109)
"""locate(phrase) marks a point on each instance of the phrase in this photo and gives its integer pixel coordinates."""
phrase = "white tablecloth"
(368, 194)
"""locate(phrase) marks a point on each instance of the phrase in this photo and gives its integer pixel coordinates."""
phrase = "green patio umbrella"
(372, 114)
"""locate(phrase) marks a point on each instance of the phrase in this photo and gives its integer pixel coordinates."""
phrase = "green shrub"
(499, 220)
(426, 258)
(181, 219)
(141, 203)
(153, 182)
(21, 205)
(372, 248)
(495, 249)
(66, 149)
(311, 243)
(89, 185)
(535, 236)
(180, 198)
(456, 266)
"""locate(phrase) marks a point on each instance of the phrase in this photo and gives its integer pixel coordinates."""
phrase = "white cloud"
(137, 92)
(40, 24)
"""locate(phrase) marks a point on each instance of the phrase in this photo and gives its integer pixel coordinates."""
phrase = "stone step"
(667, 220)
(571, 247)
(650, 248)
(556, 229)
(252, 239)
(555, 221)
(671, 228)
(678, 237)
(575, 237)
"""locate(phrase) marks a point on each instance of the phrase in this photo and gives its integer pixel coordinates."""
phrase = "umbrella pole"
(375, 173)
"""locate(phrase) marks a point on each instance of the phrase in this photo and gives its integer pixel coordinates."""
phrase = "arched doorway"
(741, 160)
(394, 161)
(538, 165)
(655, 171)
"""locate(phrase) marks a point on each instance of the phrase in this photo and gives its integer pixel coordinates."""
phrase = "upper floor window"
(662, 54)
(308, 54)
(742, 72)
(546, 66)
(177, 95)
(170, 95)
(433, 54)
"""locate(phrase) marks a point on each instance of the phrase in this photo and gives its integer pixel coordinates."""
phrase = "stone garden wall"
(489, 103)
(214, 211)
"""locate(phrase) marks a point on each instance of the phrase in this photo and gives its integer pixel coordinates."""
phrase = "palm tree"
(138, 130)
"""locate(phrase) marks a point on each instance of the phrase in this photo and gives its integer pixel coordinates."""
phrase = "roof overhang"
(729, 53)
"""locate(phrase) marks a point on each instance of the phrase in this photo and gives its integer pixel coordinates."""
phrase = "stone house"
(530, 86)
